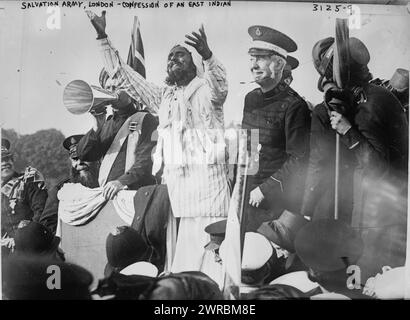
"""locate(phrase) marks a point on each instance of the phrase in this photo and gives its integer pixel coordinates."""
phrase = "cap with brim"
(283, 230)
(327, 245)
(142, 268)
(400, 80)
(5, 148)
(298, 279)
(323, 51)
(256, 251)
(271, 40)
(70, 144)
(216, 232)
(292, 62)
(124, 248)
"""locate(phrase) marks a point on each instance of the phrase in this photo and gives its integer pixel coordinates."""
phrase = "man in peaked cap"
(82, 172)
(283, 120)
(23, 196)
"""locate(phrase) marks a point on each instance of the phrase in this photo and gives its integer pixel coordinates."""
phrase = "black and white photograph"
(204, 150)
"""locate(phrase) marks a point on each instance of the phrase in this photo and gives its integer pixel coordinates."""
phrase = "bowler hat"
(33, 238)
(124, 248)
(323, 52)
(283, 230)
(327, 245)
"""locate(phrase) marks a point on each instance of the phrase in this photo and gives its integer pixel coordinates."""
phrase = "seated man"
(80, 172)
(122, 141)
(23, 196)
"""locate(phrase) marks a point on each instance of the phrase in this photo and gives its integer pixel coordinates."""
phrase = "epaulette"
(33, 175)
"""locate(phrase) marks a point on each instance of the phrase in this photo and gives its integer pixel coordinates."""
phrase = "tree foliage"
(42, 150)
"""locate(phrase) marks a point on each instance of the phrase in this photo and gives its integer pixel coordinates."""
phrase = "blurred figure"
(399, 86)
(82, 172)
(23, 197)
(27, 277)
(37, 240)
(328, 248)
(373, 167)
(189, 285)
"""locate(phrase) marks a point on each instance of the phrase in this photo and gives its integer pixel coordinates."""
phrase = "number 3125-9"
(329, 7)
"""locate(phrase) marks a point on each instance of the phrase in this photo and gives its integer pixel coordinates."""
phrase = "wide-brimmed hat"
(283, 230)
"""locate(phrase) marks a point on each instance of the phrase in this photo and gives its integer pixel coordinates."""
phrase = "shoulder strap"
(135, 127)
(115, 148)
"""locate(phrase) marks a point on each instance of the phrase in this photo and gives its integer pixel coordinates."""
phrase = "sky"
(37, 62)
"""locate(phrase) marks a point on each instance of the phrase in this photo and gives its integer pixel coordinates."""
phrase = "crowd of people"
(171, 138)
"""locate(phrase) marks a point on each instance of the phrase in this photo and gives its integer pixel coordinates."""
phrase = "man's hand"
(98, 23)
(339, 123)
(111, 189)
(8, 243)
(199, 42)
(256, 196)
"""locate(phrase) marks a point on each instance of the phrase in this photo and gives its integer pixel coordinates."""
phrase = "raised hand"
(98, 23)
(199, 42)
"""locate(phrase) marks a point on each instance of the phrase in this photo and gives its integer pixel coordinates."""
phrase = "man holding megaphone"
(122, 141)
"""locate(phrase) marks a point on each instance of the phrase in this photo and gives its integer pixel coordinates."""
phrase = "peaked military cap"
(266, 40)
(5, 148)
(216, 231)
(70, 144)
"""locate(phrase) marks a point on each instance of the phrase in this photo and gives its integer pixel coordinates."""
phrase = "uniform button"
(146, 193)
(138, 218)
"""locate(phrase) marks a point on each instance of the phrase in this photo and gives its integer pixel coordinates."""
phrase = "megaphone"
(79, 97)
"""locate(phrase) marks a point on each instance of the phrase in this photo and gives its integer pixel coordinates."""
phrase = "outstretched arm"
(127, 78)
(215, 72)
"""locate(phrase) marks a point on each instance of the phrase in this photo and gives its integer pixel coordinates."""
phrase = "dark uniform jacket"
(50, 213)
(94, 145)
(283, 120)
(373, 176)
(376, 147)
(25, 201)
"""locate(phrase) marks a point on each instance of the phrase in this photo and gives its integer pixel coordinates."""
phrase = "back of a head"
(189, 285)
(27, 277)
(125, 247)
(328, 247)
(33, 238)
